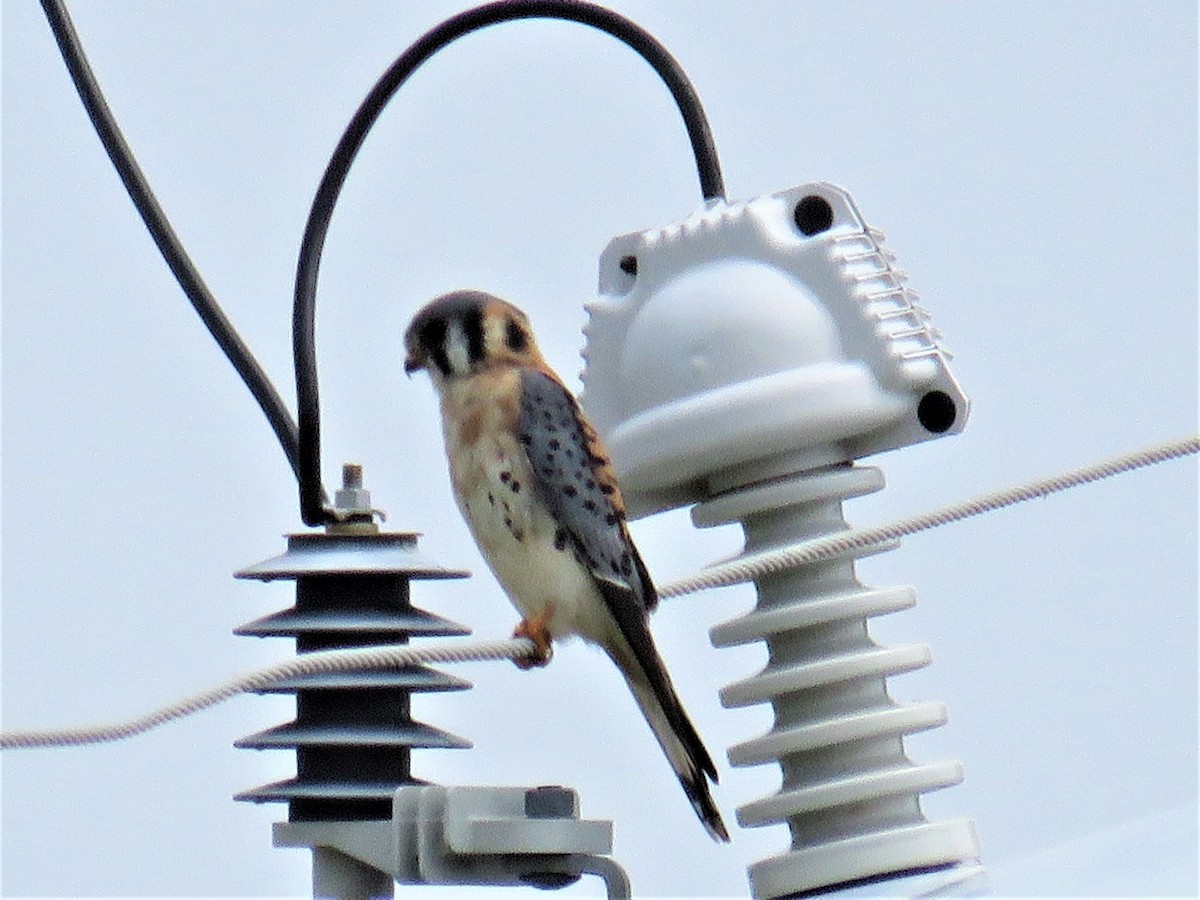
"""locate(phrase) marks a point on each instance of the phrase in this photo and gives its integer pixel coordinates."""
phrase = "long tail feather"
(680, 742)
(632, 649)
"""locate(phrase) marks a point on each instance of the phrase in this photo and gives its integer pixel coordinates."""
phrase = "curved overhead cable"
(312, 506)
(169, 245)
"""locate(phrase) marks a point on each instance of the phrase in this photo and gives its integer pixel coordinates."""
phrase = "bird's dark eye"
(515, 336)
(432, 334)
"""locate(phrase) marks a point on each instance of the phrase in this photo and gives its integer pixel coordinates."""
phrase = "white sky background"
(1034, 165)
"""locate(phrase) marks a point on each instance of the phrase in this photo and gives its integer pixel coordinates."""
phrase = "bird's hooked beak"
(414, 362)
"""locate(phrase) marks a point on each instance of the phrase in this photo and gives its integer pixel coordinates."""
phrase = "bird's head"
(465, 333)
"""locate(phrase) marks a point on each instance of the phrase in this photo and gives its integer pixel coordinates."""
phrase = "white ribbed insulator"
(849, 793)
(740, 359)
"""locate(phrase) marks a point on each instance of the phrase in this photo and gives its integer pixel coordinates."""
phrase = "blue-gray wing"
(573, 479)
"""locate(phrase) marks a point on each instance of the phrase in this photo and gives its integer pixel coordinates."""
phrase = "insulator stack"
(353, 733)
(849, 792)
(741, 360)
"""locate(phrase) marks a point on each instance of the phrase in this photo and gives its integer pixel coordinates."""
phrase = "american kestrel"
(538, 492)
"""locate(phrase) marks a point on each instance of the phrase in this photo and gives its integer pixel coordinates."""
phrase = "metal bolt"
(352, 502)
(551, 802)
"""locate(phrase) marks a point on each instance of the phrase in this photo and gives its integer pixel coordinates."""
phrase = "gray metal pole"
(337, 876)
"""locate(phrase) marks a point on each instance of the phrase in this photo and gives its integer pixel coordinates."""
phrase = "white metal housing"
(741, 360)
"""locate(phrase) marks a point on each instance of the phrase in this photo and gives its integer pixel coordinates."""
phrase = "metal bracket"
(495, 836)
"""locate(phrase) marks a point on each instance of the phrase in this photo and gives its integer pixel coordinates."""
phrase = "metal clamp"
(495, 836)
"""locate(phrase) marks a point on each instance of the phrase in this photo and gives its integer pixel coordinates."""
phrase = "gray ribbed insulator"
(849, 793)
(353, 732)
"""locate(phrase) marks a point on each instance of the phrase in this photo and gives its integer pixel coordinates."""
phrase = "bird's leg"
(537, 630)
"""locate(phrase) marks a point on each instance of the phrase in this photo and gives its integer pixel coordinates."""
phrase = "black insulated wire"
(312, 506)
(185, 272)
(301, 444)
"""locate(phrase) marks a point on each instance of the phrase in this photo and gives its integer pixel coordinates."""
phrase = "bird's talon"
(536, 630)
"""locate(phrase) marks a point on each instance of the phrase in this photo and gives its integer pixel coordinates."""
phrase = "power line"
(301, 442)
(169, 245)
(721, 575)
(361, 659)
(712, 185)
(750, 567)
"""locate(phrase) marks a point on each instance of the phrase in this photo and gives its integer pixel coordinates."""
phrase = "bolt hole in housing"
(813, 214)
(936, 412)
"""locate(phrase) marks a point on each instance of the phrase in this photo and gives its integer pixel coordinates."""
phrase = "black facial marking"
(491, 499)
(570, 490)
(515, 337)
(441, 360)
(589, 505)
(432, 324)
(611, 519)
(433, 340)
(505, 476)
(515, 487)
(473, 330)
(432, 334)
(560, 539)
